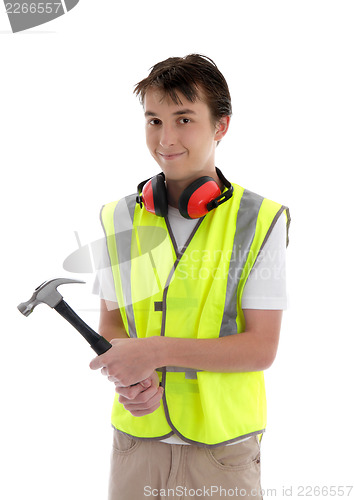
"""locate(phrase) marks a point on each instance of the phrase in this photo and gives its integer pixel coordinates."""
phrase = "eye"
(154, 121)
(184, 120)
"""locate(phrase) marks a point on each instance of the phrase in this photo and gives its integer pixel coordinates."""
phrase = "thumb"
(146, 383)
(95, 363)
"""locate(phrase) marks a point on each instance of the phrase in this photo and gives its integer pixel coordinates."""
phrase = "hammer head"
(46, 293)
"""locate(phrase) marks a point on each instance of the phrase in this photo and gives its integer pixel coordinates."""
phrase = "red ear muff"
(154, 196)
(147, 197)
(195, 198)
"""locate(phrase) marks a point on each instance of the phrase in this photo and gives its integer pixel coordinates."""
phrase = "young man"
(192, 302)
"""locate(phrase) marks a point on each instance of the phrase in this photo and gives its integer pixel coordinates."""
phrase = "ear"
(222, 127)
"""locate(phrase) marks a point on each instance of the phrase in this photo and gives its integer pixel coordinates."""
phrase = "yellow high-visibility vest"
(195, 293)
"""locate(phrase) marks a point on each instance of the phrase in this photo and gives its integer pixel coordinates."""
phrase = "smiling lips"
(170, 156)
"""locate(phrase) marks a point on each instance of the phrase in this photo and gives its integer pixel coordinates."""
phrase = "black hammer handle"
(98, 343)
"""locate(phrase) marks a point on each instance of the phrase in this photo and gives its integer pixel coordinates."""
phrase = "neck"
(174, 191)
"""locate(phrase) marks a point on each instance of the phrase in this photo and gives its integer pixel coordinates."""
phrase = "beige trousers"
(142, 469)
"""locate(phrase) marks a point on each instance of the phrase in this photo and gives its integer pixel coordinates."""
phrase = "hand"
(143, 398)
(127, 362)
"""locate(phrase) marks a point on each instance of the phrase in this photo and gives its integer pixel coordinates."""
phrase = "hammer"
(47, 293)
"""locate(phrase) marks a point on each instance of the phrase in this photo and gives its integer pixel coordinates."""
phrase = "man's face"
(180, 137)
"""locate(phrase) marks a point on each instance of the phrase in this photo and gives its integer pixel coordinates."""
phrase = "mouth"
(170, 156)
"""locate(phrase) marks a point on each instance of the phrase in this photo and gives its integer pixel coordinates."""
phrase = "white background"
(72, 139)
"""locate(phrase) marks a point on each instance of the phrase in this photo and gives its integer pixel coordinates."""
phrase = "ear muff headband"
(226, 195)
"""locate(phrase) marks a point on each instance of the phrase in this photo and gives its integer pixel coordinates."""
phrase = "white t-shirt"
(264, 289)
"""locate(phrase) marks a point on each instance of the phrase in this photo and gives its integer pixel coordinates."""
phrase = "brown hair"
(186, 75)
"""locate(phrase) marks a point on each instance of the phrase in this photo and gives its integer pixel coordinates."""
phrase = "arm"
(132, 361)
(111, 324)
(253, 350)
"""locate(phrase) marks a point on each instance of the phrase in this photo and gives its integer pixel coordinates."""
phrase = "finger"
(141, 413)
(138, 387)
(144, 401)
(129, 395)
(96, 363)
(146, 383)
(130, 392)
(152, 380)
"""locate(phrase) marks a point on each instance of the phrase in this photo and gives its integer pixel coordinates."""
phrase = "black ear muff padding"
(160, 195)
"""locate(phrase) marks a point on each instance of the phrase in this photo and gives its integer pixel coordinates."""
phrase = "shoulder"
(257, 207)
(128, 202)
(278, 235)
(252, 199)
(119, 213)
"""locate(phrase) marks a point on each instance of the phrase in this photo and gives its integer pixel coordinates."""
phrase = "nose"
(167, 136)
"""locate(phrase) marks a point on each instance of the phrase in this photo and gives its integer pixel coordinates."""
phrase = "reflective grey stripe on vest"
(245, 230)
(123, 229)
(190, 373)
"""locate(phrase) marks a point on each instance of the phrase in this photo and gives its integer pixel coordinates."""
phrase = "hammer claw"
(47, 293)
